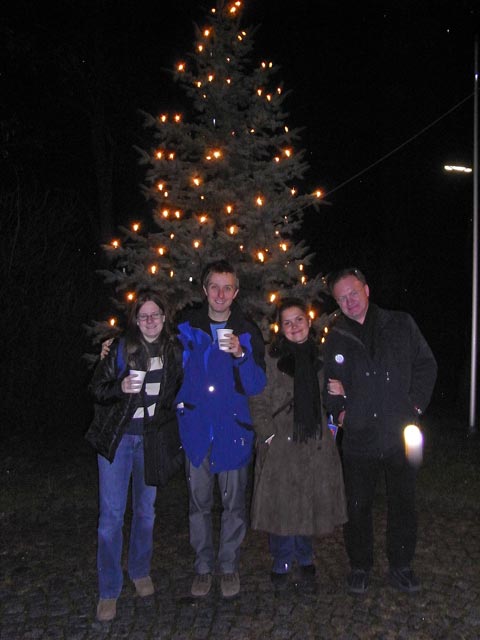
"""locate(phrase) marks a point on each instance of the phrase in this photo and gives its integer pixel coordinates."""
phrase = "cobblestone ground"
(48, 588)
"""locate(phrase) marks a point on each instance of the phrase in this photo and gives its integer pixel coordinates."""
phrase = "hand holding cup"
(225, 342)
(134, 381)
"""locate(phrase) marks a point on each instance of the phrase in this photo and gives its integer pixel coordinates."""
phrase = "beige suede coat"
(298, 487)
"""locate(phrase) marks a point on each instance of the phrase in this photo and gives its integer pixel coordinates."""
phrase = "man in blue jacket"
(215, 423)
(386, 372)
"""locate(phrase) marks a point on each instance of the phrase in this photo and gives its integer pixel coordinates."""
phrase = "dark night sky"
(364, 80)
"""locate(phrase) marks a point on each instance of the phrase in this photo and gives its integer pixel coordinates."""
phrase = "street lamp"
(457, 168)
(473, 356)
(463, 169)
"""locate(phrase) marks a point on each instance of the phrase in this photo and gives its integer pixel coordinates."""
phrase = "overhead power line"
(400, 146)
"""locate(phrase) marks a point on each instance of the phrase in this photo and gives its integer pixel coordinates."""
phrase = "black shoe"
(404, 580)
(279, 580)
(357, 581)
(307, 571)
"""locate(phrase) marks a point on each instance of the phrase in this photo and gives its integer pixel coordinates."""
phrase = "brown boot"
(144, 586)
(106, 609)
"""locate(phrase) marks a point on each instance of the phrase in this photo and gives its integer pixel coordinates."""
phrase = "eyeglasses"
(144, 317)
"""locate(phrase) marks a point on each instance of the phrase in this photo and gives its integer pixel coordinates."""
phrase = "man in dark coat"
(386, 372)
(215, 423)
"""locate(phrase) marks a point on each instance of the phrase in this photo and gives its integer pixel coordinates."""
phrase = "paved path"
(48, 584)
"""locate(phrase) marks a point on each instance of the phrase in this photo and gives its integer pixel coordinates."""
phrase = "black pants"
(361, 476)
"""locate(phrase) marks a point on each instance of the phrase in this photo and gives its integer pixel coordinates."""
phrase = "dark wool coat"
(298, 487)
(114, 408)
(384, 392)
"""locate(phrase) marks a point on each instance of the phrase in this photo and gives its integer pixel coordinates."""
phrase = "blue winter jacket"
(214, 414)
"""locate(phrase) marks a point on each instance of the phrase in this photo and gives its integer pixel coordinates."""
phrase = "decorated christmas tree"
(225, 179)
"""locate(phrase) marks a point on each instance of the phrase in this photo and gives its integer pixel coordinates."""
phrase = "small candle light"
(413, 444)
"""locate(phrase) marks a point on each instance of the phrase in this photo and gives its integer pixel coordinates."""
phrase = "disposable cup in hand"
(139, 377)
(223, 338)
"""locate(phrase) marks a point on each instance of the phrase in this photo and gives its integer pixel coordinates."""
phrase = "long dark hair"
(136, 347)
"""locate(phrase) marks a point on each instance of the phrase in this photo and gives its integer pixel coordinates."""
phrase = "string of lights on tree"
(224, 183)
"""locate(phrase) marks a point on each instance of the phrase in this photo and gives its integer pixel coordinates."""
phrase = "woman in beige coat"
(298, 490)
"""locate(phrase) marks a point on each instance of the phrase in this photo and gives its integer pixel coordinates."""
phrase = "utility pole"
(474, 349)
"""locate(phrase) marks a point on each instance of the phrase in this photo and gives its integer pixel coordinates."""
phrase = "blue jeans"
(114, 480)
(286, 549)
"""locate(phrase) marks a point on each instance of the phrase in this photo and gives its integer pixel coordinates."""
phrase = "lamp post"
(474, 351)
(474, 330)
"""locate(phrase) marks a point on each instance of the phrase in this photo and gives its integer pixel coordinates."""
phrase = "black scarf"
(301, 362)
(366, 332)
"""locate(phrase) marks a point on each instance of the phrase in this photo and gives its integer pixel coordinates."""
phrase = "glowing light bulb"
(161, 186)
(215, 154)
(318, 193)
(159, 155)
(153, 269)
(177, 117)
(181, 66)
(259, 201)
(163, 117)
(273, 297)
(112, 322)
(261, 256)
(229, 208)
(311, 313)
(130, 296)
(165, 213)
(283, 246)
(161, 251)
(203, 219)
(135, 226)
(196, 243)
(115, 244)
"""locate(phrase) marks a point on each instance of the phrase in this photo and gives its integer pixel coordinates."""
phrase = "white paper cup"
(138, 381)
(222, 337)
